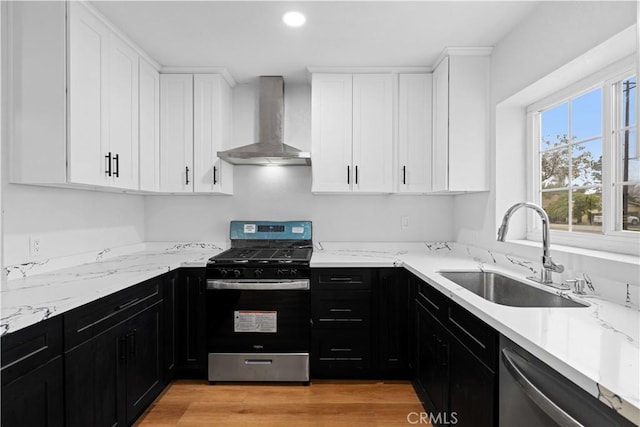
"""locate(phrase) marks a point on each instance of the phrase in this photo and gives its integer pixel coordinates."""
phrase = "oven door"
(258, 330)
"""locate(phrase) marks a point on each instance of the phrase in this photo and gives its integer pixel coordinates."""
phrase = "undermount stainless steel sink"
(505, 290)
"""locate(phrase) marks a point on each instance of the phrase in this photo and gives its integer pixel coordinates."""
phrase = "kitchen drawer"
(480, 338)
(341, 308)
(28, 348)
(433, 301)
(91, 319)
(336, 349)
(341, 278)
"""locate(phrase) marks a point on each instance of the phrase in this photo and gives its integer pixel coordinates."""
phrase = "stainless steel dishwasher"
(532, 394)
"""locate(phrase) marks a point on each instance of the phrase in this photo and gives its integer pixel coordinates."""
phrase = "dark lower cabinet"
(170, 285)
(472, 388)
(113, 356)
(341, 322)
(113, 377)
(391, 323)
(190, 324)
(32, 376)
(455, 373)
(432, 369)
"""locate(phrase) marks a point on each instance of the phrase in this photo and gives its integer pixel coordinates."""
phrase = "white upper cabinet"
(331, 132)
(123, 113)
(75, 120)
(212, 106)
(176, 133)
(461, 121)
(414, 133)
(149, 126)
(352, 133)
(90, 160)
(195, 117)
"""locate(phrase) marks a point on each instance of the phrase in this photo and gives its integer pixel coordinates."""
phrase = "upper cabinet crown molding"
(201, 70)
(462, 51)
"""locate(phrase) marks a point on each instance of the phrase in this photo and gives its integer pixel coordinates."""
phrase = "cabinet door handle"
(341, 279)
(444, 357)
(404, 174)
(340, 310)
(116, 168)
(186, 169)
(348, 174)
(122, 346)
(131, 336)
(341, 349)
(356, 174)
(107, 168)
(215, 180)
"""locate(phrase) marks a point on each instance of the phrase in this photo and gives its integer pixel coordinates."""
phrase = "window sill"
(626, 258)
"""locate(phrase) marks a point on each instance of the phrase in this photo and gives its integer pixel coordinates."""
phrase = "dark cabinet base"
(35, 399)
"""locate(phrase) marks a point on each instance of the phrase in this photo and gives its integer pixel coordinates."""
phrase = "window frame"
(611, 240)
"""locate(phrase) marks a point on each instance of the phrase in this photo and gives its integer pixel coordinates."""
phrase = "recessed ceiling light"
(294, 19)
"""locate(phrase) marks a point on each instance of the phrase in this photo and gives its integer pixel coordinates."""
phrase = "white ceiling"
(249, 39)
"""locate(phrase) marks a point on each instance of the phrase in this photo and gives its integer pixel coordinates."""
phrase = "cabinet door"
(331, 133)
(89, 160)
(414, 133)
(393, 320)
(123, 113)
(440, 156)
(191, 338)
(143, 376)
(373, 140)
(170, 284)
(211, 117)
(95, 381)
(149, 126)
(432, 360)
(176, 133)
(472, 388)
(35, 399)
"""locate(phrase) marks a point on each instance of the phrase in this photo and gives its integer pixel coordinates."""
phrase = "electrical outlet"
(404, 221)
(34, 246)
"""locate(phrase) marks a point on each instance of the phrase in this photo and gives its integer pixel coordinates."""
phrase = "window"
(587, 161)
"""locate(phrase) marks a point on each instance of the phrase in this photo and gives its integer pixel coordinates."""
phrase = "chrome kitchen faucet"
(548, 266)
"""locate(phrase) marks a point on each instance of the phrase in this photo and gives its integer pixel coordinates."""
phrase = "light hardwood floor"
(323, 403)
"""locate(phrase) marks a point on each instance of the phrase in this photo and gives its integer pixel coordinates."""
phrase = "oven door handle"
(258, 285)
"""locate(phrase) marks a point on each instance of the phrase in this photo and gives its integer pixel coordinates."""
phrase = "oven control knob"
(293, 272)
(282, 272)
(258, 272)
(223, 272)
(236, 273)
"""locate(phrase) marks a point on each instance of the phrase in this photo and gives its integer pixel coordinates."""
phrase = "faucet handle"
(578, 285)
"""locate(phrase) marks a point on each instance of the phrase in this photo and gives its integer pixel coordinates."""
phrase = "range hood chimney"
(269, 150)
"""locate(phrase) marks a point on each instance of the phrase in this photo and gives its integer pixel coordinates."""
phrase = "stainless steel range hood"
(269, 150)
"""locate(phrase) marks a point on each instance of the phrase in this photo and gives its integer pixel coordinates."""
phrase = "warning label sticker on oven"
(249, 228)
(255, 321)
(297, 230)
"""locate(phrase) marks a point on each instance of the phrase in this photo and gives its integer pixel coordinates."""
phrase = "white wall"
(553, 35)
(283, 193)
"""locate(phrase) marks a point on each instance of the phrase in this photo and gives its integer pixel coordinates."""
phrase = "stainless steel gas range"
(258, 314)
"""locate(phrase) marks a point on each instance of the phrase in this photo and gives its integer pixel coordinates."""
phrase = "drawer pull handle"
(340, 310)
(341, 279)
(340, 320)
(127, 304)
(258, 361)
(341, 349)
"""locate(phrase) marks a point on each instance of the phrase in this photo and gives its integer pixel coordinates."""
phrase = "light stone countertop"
(596, 347)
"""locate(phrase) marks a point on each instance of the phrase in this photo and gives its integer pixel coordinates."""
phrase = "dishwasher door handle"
(535, 394)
